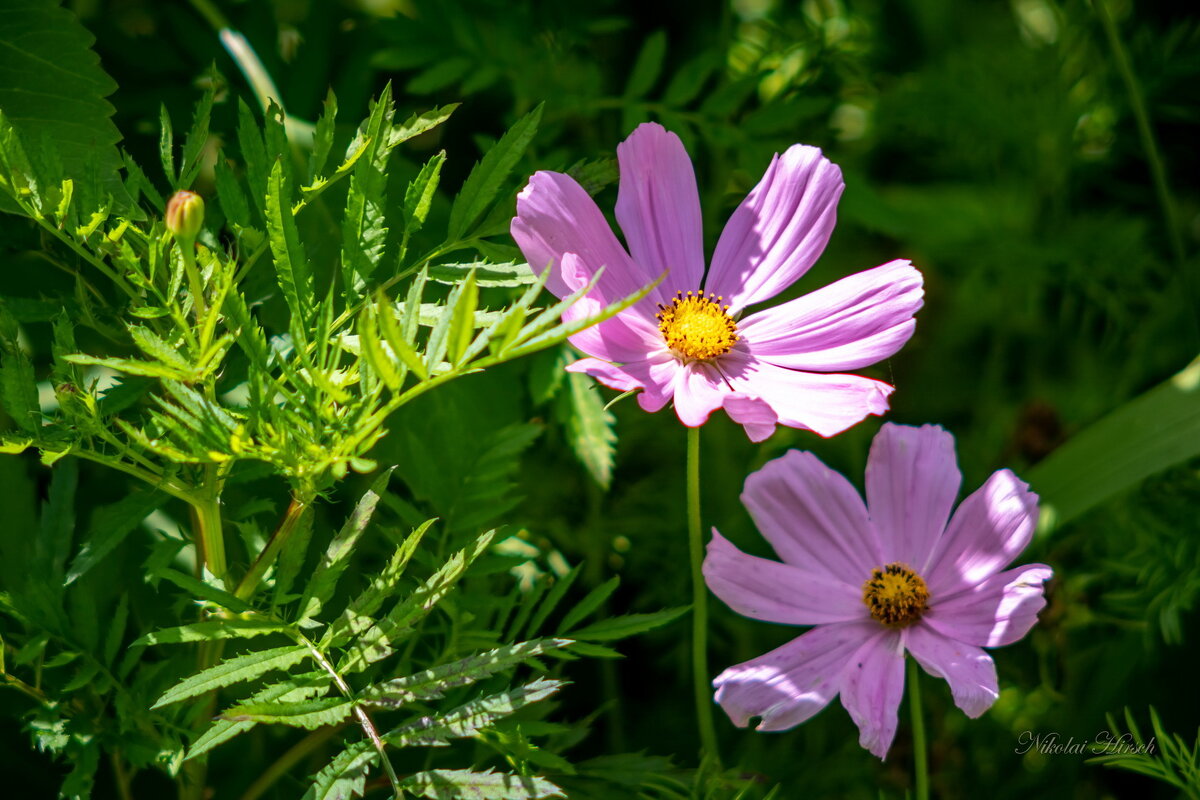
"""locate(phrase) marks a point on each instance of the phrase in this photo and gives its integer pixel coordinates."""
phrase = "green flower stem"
(295, 513)
(704, 703)
(1138, 102)
(211, 539)
(187, 249)
(920, 756)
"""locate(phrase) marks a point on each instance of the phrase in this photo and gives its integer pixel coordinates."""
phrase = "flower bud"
(185, 214)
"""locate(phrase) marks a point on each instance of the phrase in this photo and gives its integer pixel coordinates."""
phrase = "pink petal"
(912, 480)
(998, 611)
(825, 404)
(970, 671)
(849, 324)
(813, 518)
(872, 688)
(658, 207)
(773, 592)
(699, 390)
(779, 230)
(655, 377)
(791, 683)
(754, 414)
(989, 529)
(626, 337)
(556, 216)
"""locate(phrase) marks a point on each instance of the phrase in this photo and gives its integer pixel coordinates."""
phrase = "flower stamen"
(696, 326)
(896, 595)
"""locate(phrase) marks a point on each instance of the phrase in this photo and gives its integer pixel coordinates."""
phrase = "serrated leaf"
(513, 273)
(397, 339)
(232, 628)
(553, 598)
(307, 714)
(53, 90)
(129, 367)
(606, 630)
(364, 232)
(435, 682)
(376, 642)
(291, 264)
(150, 344)
(462, 321)
(233, 670)
(18, 386)
(358, 615)
(109, 527)
(463, 784)
(469, 718)
(420, 123)
(193, 145)
(418, 197)
(337, 556)
(345, 776)
(590, 428)
(202, 590)
(299, 688)
(489, 174)
(323, 136)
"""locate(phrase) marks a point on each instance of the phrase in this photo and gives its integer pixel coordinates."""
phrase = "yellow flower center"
(696, 326)
(896, 595)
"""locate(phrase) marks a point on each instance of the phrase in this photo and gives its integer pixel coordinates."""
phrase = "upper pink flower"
(896, 574)
(687, 340)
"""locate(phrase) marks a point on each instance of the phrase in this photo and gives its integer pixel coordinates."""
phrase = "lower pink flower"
(896, 574)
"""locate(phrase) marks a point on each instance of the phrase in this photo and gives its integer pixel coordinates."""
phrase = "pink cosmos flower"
(687, 340)
(876, 580)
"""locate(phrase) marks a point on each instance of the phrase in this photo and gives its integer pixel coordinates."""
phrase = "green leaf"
(359, 614)
(231, 628)
(434, 683)
(337, 555)
(364, 232)
(590, 427)
(234, 670)
(467, 719)
(1146, 435)
(489, 174)
(129, 367)
(462, 322)
(648, 65)
(150, 344)
(193, 146)
(590, 603)
(323, 136)
(420, 123)
(418, 197)
(109, 527)
(308, 714)
(553, 598)
(299, 688)
(291, 264)
(464, 784)
(606, 630)
(53, 91)
(18, 386)
(205, 591)
(512, 273)
(375, 644)
(346, 775)
(166, 144)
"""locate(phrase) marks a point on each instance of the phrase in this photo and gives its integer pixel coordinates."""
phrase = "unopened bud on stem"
(185, 215)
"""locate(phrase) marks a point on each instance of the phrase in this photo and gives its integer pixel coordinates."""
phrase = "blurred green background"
(995, 144)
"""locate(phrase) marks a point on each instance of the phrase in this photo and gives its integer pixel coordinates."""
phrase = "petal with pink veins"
(813, 517)
(658, 207)
(872, 688)
(912, 481)
(556, 216)
(996, 612)
(793, 682)
(970, 671)
(846, 325)
(779, 230)
(988, 530)
(826, 404)
(775, 592)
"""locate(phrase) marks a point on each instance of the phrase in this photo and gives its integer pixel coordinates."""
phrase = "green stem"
(1158, 170)
(704, 702)
(212, 539)
(187, 249)
(920, 756)
(266, 558)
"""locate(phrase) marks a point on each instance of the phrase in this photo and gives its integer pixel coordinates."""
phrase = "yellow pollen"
(696, 326)
(896, 595)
